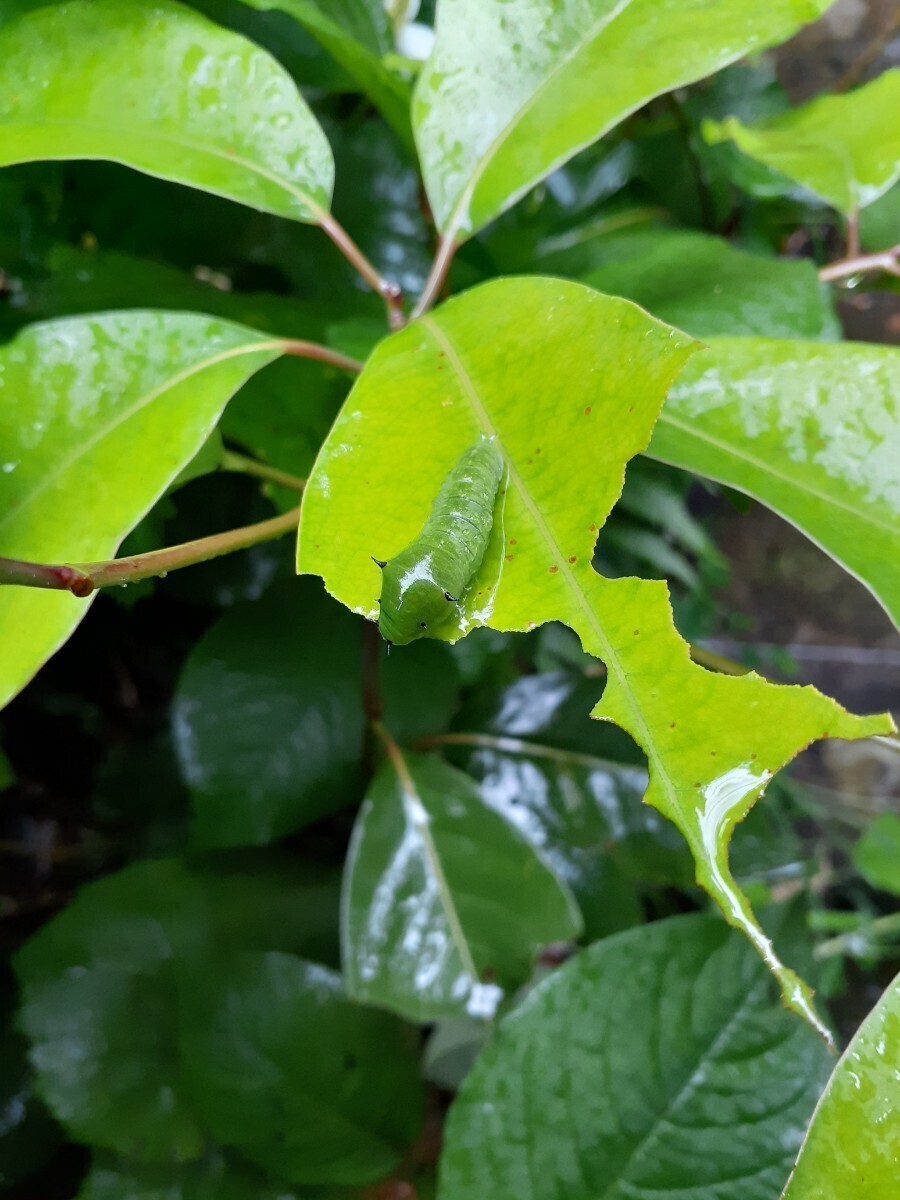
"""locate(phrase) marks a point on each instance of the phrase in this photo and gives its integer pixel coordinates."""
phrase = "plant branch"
(395, 754)
(857, 941)
(504, 744)
(391, 293)
(863, 264)
(243, 465)
(436, 276)
(859, 66)
(83, 578)
(313, 350)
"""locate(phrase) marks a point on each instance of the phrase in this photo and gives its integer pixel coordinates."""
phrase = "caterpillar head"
(413, 604)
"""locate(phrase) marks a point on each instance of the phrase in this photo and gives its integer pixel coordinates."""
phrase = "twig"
(395, 754)
(42, 575)
(852, 233)
(436, 276)
(84, 578)
(243, 465)
(323, 354)
(504, 744)
(857, 941)
(857, 68)
(863, 264)
(391, 293)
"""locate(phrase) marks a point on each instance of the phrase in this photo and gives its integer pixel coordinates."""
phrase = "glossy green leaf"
(654, 1063)
(100, 990)
(708, 287)
(161, 89)
(267, 719)
(844, 148)
(877, 853)
(852, 1147)
(98, 415)
(445, 903)
(282, 1065)
(809, 430)
(569, 382)
(356, 34)
(512, 91)
(546, 768)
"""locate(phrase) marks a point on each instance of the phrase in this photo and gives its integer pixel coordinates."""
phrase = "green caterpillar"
(421, 584)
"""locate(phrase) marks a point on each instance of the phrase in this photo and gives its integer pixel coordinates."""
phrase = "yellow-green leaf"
(809, 429)
(98, 415)
(161, 89)
(570, 383)
(845, 149)
(512, 91)
(852, 1147)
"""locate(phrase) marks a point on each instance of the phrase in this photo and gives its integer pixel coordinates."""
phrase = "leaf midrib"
(410, 792)
(17, 510)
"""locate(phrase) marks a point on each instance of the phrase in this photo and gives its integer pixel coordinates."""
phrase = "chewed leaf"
(569, 383)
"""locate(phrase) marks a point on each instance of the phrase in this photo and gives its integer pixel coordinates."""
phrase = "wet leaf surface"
(656, 1062)
(569, 384)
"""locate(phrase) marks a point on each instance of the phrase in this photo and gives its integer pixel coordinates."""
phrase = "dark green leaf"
(268, 719)
(305, 1083)
(877, 853)
(421, 690)
(654, 1063)
(100, 990)
(28, 1134)
(705, 285)
(215, 1177)
(445, 903)
(546, 767)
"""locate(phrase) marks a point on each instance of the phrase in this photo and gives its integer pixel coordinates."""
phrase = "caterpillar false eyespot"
(420, 585)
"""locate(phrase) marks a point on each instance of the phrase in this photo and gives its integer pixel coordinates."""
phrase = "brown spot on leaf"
(587, 411)
(554, 569)
(573, 558)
